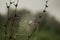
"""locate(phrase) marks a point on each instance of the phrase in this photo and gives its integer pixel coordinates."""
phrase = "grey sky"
(35, 5)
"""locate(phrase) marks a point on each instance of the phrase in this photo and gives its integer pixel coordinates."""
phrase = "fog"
(34, 6)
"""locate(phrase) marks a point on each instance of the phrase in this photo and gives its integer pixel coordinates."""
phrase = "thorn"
(16, 5)
(10, 37)
(39, 16)
(46, 6)
(5, 25)
(44, 10)
(7, 5)
(10, 2)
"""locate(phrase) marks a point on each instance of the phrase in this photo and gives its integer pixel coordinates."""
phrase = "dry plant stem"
(12, 30)
(46, 6)
(42, 15)
(37, 27)
(35, 30)
(14, 37)
(7, 21)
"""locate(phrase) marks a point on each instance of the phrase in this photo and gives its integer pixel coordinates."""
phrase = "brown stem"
(6, 25)
(37, 27)
(12, 30)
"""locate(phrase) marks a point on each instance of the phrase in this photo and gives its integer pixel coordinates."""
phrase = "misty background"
(31, 23)
(34, 6)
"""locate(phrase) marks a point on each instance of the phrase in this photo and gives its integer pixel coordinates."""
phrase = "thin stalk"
(12, 30)
(37, 27)
(46, 6)
(35, 30)
(6, 25)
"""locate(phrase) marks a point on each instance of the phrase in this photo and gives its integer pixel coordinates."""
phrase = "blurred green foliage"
(49, 28)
